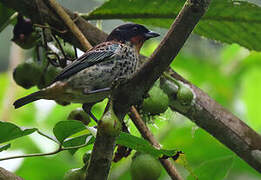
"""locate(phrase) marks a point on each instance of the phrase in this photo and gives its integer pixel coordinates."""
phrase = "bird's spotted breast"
(122, 65)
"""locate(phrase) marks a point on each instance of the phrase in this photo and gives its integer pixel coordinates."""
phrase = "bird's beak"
(151, 34)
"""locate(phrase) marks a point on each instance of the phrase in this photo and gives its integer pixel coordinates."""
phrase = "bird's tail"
(28, 99)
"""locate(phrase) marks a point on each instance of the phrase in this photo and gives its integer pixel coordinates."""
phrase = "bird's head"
(135, 34)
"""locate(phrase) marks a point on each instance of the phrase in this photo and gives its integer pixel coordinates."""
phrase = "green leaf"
(214, 169)
(142, 145)
(9, 131)
(77, 141)
(228, 21)
(65, 129)
(5, 17)
(5, 147)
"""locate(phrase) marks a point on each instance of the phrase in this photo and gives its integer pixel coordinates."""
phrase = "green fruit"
(169, 86)
(184, 95)
(80, 115)
(109, 124)
(27, 74)
(157, 102)
(75, 174)
(48, 76)
(145, 167)
(51, 74)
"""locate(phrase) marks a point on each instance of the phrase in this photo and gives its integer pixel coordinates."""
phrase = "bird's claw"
(88, 92)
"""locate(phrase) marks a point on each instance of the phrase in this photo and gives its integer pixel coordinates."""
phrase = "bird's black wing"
(90, 58)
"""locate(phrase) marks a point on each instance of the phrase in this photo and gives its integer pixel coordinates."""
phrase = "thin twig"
(75, 147)
(48, 137)
(49, 27)
(45, 154)
(32, 155)
(59, 45)
(146, 134)
(70, 23)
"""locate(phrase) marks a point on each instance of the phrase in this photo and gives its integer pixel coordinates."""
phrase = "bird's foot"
(87, 108)
(88, 92)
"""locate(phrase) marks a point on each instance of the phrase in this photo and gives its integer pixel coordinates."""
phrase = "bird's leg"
(87, 92)
(87, 108)
(75, 52)
(62, 61)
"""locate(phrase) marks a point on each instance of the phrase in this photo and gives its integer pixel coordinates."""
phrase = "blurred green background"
(230, 74)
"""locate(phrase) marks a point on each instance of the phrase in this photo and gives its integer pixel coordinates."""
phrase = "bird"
(89, 79)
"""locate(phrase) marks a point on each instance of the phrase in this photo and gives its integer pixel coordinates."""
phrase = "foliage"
(65, 129)
(10, 131)
(213, 169)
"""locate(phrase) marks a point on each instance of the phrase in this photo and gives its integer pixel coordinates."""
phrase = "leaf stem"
(32, 155)
(47, 136)
(60, 148)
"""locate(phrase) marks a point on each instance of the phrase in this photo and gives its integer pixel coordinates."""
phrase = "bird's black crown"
(126, 31)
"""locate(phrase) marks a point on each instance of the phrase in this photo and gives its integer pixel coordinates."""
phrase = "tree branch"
(6, 175)
(109, 128)
(101, 156)
(220, 123)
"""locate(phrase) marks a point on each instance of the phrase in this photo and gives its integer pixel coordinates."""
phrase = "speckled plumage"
(101, 67)
(86, 74)
(121, 64)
